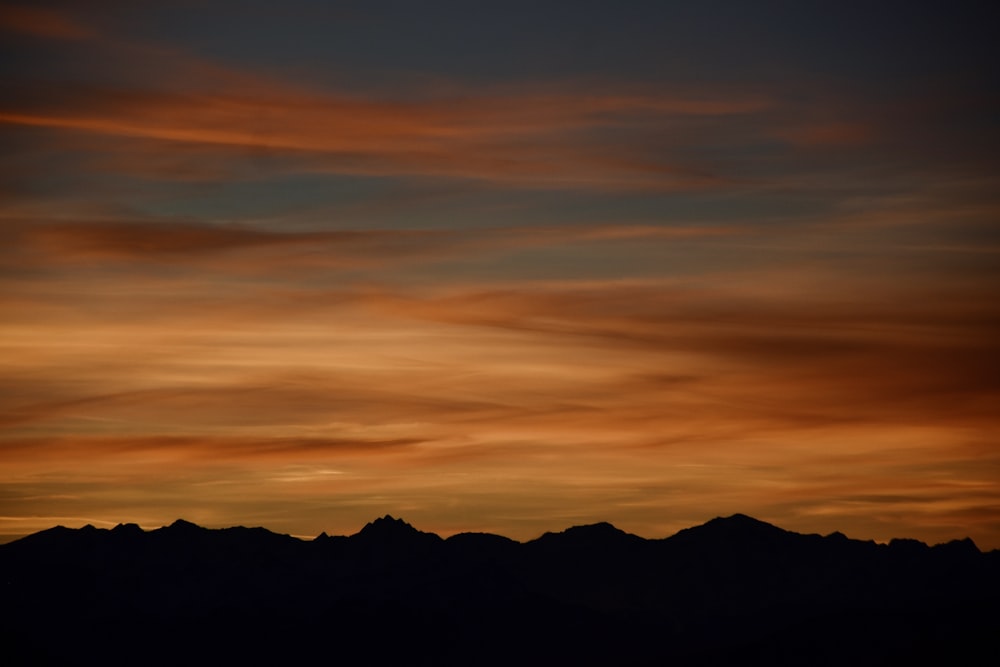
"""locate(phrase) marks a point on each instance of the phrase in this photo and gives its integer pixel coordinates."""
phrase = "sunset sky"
(501, 266)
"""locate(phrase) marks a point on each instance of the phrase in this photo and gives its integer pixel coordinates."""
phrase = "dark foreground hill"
(734, 591)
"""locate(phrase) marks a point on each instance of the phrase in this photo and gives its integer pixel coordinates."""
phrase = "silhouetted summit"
(132, 529)
(391, 536)
(596, 534)
(388, 528)
(963, 547)
(595, 545)
(735, 529)
(734, 590)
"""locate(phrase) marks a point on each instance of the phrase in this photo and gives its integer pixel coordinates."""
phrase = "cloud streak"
(261, 249)
(45, 23)
(304, 283)
(526, 138)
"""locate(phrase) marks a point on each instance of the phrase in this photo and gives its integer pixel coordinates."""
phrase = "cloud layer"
(242, 290)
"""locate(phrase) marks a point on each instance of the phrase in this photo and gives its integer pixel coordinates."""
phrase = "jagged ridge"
(589, 594)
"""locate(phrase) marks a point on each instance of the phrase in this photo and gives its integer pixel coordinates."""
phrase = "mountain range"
(734, 590)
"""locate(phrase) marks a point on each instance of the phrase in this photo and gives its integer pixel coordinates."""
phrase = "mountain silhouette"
(734, 590)
(599, 536)
(386, 533)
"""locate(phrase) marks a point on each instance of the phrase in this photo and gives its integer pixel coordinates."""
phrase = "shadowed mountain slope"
(732, 591)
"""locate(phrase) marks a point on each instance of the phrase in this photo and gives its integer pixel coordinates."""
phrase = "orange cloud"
(314, 379)
(260, 250)
(828, 134)
(39, 22)
(524, 138)
(873, 358)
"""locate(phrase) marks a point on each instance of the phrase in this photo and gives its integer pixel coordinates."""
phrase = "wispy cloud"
(529, 139)
(259, 249)
(42, 22)
(636, 296)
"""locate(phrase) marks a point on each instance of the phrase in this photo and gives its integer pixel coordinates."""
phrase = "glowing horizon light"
(305, 271)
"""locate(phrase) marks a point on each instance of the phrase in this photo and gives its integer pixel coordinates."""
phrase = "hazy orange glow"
(507, 306)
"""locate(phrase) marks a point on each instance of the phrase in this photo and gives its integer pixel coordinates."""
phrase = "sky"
(501, 266)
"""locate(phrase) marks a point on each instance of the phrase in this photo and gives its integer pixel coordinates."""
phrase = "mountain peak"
(387, 525)
(593, 531)
(127, 529)
(741, 522)
(742, 519)
(182, 525)
(964, 546)
(599, 527)
(390, 530)
(734, 528)
(595, 536)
